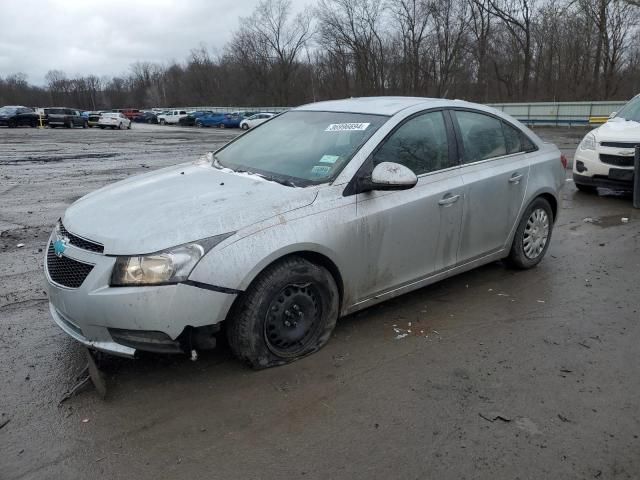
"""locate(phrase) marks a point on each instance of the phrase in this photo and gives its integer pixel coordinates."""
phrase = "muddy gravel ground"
(517, 375)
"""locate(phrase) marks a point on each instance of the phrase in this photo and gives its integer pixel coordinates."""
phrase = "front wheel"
(221, 125)
(288, 312)
(532, 236)
(163, 121)
(244, 126)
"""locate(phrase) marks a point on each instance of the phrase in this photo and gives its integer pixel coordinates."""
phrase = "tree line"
(479, 50)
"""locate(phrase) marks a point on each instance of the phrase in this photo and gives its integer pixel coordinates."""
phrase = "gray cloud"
(104, 37)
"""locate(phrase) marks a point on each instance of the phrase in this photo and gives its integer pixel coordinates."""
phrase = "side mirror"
(389, 176)
(612, 114)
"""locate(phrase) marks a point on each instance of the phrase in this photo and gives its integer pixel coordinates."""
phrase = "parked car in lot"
(130, 113)
(322, 211)
(605, 156)
(18, 116)
(220, 120)
(146, 117)
(94, 118)
(65, 117)
(113, 121)
(255, 120)
(171, 117)
(190, 119)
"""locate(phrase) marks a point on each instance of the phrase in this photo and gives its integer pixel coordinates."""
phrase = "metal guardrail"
(560, 113)
(532, 113)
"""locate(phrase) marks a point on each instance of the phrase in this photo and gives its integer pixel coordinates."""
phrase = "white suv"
(605, 156)
(171, 117)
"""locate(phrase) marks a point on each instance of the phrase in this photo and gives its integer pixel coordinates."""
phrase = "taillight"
(564, 161)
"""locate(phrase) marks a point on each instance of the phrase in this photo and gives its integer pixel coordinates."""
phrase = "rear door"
(495, 173)
(410, 234)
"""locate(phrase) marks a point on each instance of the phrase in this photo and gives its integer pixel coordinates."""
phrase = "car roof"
(380, 105)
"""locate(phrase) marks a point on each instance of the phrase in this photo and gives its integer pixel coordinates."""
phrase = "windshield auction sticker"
(345, 127)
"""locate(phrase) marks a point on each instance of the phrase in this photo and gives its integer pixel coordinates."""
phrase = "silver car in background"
(320, 212)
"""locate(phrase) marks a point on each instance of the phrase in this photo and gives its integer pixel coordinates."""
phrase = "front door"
(409, 234)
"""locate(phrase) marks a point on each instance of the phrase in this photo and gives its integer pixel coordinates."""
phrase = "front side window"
(482, 136)
(419, 144)
(300, 147)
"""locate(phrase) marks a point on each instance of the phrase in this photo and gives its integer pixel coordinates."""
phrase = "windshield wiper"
(281, 181)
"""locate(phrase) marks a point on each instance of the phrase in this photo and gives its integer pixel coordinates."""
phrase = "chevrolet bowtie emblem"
(60, 245)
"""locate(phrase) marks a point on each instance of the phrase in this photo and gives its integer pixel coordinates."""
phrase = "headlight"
(170, 266)
(588, 142)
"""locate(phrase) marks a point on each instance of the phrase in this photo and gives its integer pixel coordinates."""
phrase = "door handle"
(448, 199)
(515, 178)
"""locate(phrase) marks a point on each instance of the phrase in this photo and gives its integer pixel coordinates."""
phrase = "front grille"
(66, 271)
(620, 144)
(616, 160)
(80, 242)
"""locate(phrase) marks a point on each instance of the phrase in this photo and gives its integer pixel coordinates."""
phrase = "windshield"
(300, 148)
(631, 111)
(7, 111)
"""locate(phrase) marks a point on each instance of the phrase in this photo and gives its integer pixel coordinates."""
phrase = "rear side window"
(482, 136)
(516, 141)
(419, 144)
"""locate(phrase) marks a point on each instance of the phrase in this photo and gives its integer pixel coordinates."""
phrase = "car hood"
(177, 205)
(619, 130)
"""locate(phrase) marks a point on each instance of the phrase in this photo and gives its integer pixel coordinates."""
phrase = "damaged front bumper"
(122, 320)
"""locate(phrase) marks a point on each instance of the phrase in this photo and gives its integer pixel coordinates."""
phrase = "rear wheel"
(69, 124)
(288, 312)
(532, 236)
(199, 125)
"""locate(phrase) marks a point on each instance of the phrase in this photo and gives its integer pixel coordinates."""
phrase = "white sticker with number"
(345, 127)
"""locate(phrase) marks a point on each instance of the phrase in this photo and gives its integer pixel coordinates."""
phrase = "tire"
(532, 236)
(586, 188)
(163, 121)
(121, 126)
(221, 125)
(52, 126)
(85, 125)
(129, 126)
(245, 126)
(199, 125)
(12, 124)
(102, 127)
(34, 124)
(70, 124)
(302, 296)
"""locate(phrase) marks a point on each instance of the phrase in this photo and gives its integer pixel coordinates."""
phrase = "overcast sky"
(104, 37)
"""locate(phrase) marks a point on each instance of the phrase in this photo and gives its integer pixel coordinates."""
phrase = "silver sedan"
(317, 213)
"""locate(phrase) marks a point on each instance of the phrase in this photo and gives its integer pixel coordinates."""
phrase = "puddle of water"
(608, 221)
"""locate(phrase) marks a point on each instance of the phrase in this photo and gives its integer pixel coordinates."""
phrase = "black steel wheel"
(292, 319)
(287, 312)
